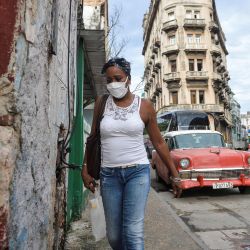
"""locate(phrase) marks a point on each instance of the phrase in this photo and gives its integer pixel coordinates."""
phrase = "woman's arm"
(87, 179)
(149, 117)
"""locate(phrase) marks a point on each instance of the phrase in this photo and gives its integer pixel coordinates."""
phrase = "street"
(219, 218)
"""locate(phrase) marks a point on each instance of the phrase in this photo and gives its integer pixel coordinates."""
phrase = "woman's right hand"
(177, 190)
(88, 181)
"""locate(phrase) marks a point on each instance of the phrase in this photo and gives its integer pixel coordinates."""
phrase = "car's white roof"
(185, 132)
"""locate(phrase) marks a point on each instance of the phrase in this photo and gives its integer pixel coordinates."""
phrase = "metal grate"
(216, 174)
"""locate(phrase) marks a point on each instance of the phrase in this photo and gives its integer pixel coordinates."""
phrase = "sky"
(235, 22)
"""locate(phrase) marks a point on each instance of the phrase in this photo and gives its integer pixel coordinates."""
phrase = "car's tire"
(148, 153)
(157, 177)
(243, 189)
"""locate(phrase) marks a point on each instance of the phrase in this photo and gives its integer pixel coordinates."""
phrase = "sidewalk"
(163, 230)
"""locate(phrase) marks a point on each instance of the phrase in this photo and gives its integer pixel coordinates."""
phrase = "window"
(190, 38)
(193, 96)
(201, 97)
(196, 14)
(193, 14)
(174, 97)
(188, 13)
(198, 38)
(173, 65)
(199, 65)
(171, 16)
(172, 40)
(191, 64)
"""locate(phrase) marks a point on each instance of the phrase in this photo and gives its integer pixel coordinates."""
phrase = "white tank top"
(122, 135)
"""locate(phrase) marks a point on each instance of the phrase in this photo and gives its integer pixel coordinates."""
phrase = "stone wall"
(33, 104)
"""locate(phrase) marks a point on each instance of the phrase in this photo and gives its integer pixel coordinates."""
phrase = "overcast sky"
(235, 21)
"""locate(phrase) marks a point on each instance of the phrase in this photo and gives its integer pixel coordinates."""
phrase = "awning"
(95, 57)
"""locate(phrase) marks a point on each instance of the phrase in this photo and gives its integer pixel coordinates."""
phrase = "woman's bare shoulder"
(147, 104)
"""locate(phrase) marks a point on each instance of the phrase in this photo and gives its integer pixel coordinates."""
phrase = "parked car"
(202, 160)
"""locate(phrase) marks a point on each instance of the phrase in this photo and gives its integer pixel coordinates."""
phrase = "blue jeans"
(124, 194)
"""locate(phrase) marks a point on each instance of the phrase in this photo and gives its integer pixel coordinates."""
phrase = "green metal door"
(75, 199)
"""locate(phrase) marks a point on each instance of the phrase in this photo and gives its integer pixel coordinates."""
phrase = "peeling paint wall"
(33, 104)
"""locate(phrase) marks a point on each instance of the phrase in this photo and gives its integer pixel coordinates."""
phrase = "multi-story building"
(245, 120)
(239, 132)
(185, 60)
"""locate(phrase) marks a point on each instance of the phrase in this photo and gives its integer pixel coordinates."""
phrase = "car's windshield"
(199, 140)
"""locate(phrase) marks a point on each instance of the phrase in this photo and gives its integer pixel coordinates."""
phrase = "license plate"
(220, 185)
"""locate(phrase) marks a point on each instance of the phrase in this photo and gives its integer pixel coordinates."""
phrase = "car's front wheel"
(243, 189)
(157, 176)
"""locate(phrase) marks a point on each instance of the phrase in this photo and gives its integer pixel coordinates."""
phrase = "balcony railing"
(215, 50)
(170, 25)
(199, 75)
(173, 76)
(217, 108)
(194, 22)
(217, 77)
(196, 47)
(213, 26)
(170, 49)
(158, 88)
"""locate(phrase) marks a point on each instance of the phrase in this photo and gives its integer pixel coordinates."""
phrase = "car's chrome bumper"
(202, 182)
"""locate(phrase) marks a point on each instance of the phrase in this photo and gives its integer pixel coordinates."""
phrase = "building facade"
(239, 132)
(185, 60)
(245, 120)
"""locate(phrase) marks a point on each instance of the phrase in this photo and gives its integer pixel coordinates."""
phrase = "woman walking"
(125, 171)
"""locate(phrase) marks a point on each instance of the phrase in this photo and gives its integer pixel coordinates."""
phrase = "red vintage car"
(202, 160)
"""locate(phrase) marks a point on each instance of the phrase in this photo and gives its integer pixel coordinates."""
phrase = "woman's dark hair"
(121, 63)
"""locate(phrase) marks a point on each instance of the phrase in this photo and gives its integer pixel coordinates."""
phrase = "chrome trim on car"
(213, 174)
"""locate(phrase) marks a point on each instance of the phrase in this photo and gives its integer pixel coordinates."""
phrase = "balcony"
(153, 98)
(148, 84)
(215, 108)
(170, 25)
(172, 77)
(215, 50)
(158, 87)
(195, 47)
(156, 92)
(158, 64)
(197, 75)
(218, 61)
(173, 85)
(217, 77)
(194, 23)
(157, 43)
(213, 26)
(221, 68)
(155, 69)
(170, 49)
(152, 56)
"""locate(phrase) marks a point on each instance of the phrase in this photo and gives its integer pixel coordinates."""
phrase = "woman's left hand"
(177, 190)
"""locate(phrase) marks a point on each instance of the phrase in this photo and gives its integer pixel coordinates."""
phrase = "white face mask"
(118, 89)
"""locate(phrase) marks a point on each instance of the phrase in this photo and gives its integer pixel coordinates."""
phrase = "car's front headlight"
(184, 163)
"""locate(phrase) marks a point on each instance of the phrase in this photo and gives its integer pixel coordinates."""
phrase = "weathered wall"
(33, 89)
(9, 138)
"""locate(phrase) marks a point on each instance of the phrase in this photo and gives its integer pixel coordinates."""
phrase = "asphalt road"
(219, 218)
